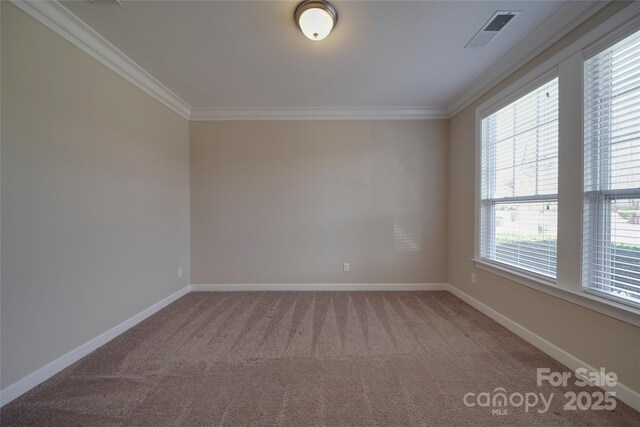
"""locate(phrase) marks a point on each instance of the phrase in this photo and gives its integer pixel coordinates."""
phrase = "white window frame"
(481, 114)
(568, 64)
(598, 199)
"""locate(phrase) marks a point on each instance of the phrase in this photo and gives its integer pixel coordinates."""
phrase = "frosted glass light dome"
(316, 18)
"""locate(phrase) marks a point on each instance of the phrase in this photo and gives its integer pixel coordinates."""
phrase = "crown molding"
(355, 113)
(59, 19)
(561, 23)
(63, 22)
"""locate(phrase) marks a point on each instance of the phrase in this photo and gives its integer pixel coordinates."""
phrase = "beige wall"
(95, 197)
(596, 339)
(290, 201)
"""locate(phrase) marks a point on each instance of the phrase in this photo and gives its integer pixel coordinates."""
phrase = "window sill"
(608, 307)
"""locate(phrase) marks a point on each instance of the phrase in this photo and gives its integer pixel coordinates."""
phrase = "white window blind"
(519, 182)
(611, 259)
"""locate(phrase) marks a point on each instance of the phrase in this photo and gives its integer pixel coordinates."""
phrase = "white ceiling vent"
(492, 27)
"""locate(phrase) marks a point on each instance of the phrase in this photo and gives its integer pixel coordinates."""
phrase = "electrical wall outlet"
(473, 278)
(346, 267)
(179, 271)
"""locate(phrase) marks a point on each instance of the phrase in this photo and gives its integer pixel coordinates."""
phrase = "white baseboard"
(33, 379)
(322, 287)
(624, 393)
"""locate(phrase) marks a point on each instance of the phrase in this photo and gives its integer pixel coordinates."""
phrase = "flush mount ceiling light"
(316, 18)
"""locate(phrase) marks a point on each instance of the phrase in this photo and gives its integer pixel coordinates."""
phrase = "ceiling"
(251, 55)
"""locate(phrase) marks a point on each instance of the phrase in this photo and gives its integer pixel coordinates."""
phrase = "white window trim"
(615, 28)
(482, 113)
(588, 299)
(599, 198)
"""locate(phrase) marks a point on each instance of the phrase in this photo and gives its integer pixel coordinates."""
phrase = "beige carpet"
(304, 358)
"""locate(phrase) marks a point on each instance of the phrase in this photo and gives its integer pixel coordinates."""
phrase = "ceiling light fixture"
(316, 18)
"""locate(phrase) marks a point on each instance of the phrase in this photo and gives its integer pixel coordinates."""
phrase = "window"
(611, 259)
(558, 173)
(519, 182)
